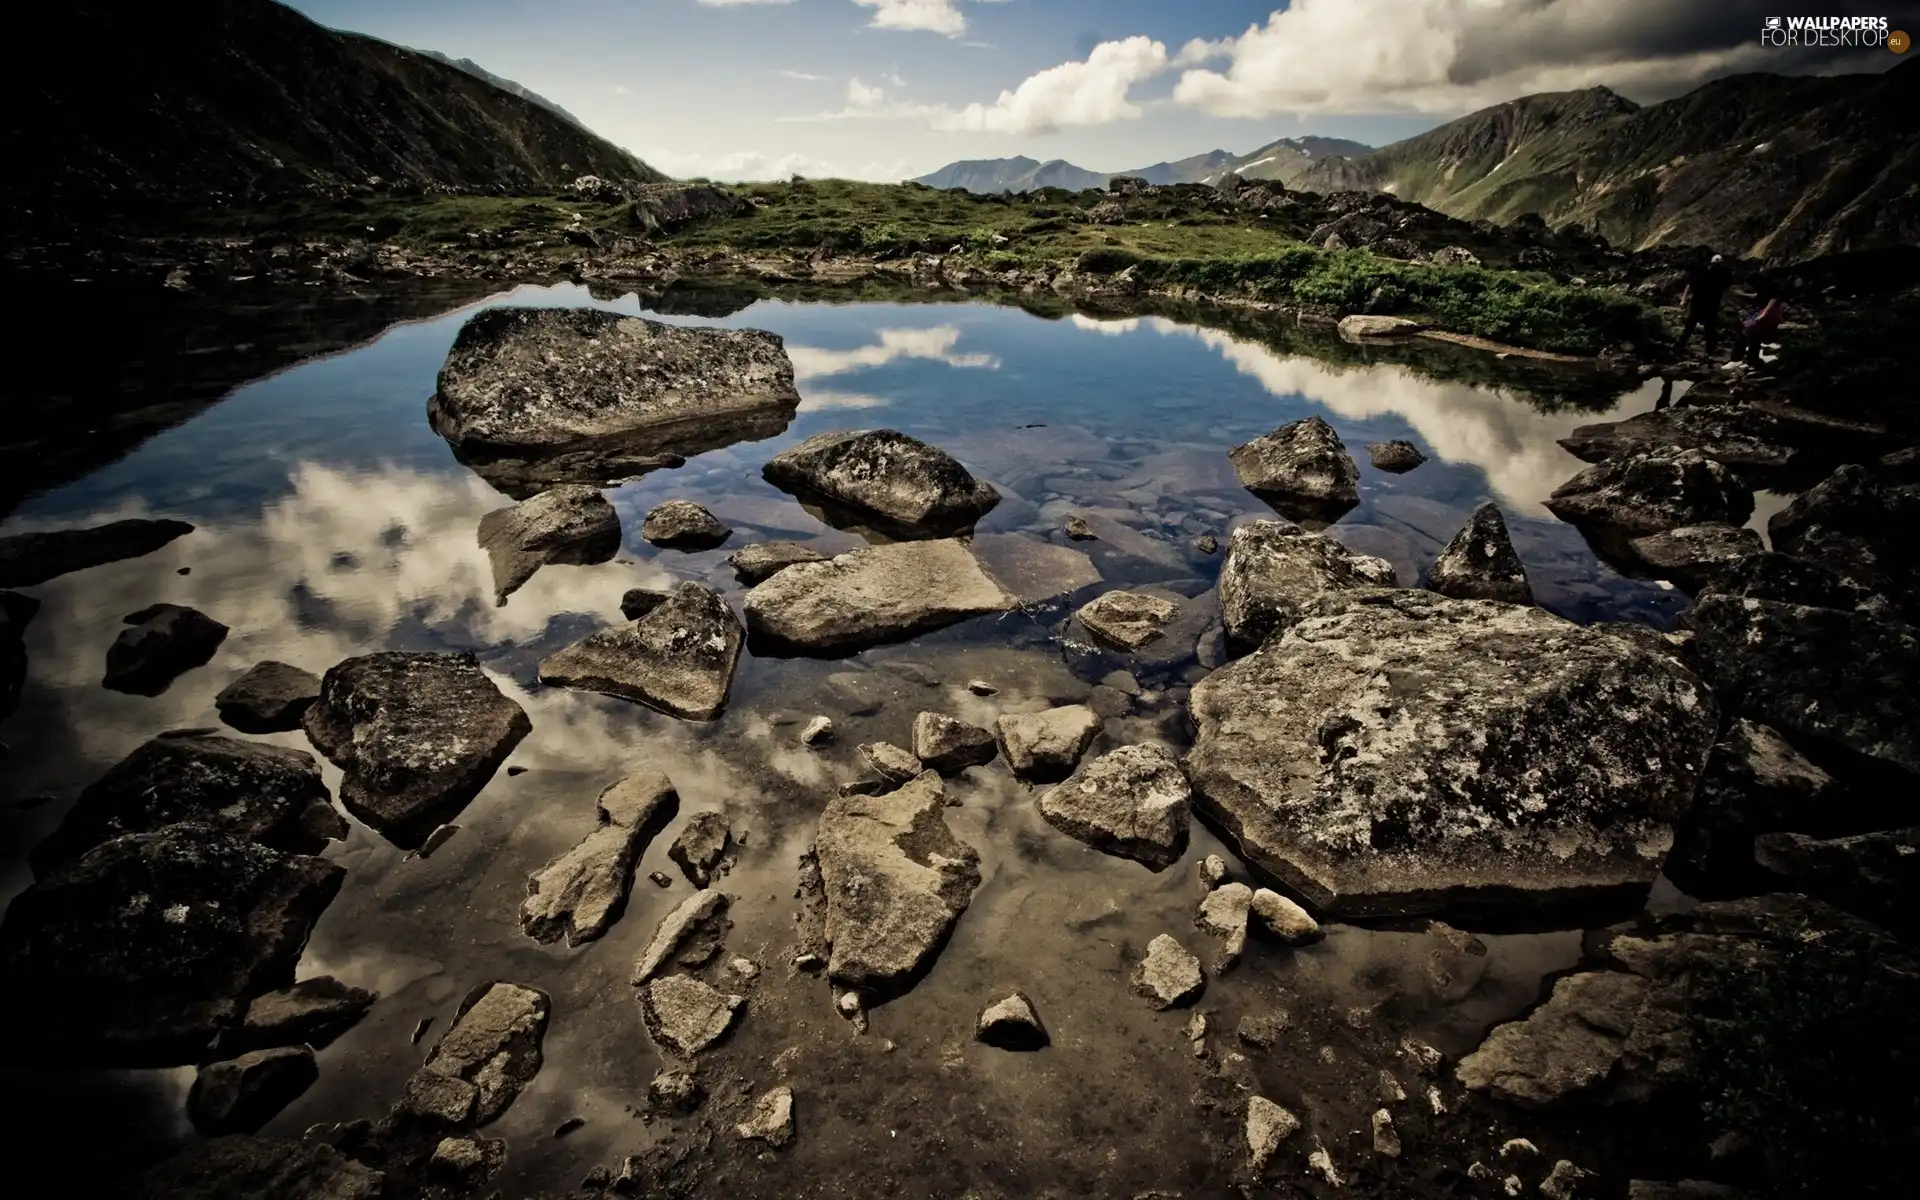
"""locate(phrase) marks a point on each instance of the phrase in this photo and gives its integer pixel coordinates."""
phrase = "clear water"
(332, 521)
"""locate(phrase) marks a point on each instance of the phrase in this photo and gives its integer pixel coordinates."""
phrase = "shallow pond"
(331, 521)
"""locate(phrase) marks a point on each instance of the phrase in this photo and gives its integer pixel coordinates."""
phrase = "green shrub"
(1104, 261)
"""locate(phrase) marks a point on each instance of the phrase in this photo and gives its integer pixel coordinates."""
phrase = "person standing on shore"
(1759, 324)
(1706, 283)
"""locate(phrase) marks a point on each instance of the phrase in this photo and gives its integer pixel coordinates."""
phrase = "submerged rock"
(701, 846)
(771, 1120)
(1568, 1046)
(896, 880)
(570, 524)
(1128, 620)
(584, 891)
(141, 950)
(312, 1012)
(1397, 752)
(1303, 461)
(1223, 913)
(754, 565)
(684, 525)
(270, 698)
(875, 595)
(1480, 562)
(163, 642)
(949, 745)
(1012, 1024)
(253, 791)
(679, 658)
(30, 559)
(1639, 495)
(1168, 976)
(493, 1046)
(1046, 746)
(416, 736)
(906, 484)
(1133, 802)
(242, 1167)
(1396, 456)
(686, 1016)
(891, 762)
(1696, 556)
(1274, 568)
(695, 917)
(241, 1094)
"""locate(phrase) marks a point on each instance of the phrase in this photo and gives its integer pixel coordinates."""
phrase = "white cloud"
(739, 3)
(747, 165)
(1093, 92)
(933, 16)
(861, 95)
(804, 76)
(936, 343)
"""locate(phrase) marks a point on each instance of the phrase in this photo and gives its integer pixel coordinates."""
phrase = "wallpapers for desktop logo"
(1840, 33)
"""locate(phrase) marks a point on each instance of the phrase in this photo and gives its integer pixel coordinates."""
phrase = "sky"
(890, 89)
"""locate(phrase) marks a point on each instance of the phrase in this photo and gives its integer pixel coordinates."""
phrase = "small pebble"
(660, 879)
(568, 1126)
(808, 962)
(981, 687)
(420, 1030)
(512, 771)
(818, 730)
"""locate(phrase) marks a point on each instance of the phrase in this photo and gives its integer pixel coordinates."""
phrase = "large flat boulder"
(29, 559)
(581, 893)
(678, 658)
(239, 1095)
(1396, 752)
(1568, 1046)
(1302, 462)
(569, 524)
(1636, 495)
(416, 736)
(896, 881)
(908, 485)
(256, 792)
(144, 948)
(1275, 568)
(871, 596)
(1133, 802)
(1738, 435)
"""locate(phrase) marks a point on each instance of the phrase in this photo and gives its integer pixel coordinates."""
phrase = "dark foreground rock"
(249, 1168)
(1301, 464)
(1397, 457)
(1875, 876)
(1739, 435)
(15, 611)
(1696, 556)
(1755, 783)
(684, 525)
(1274, 568)
(665, 207)
(909, 486)
(239, 1095)
(416, 736)
(1480, 562)
(1133, 802)
(142, 950)
(754, 565)
(253, 791)
(312, 1012)
(1568, 1046)
(487, 1055)
(1839, 677)
(162, 642)
(871, 596)
(270, 698)
(29, 559)
(896, 880)
(584, 891)
(678, 658)
(1493, 772)
(1638, 495)
(1861, 528)
(569, 524)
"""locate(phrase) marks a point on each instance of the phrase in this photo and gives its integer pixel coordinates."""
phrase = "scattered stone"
(882, 473)
(1330, 780)
(241, 1167)
(1223, 913)
(700, 916)
(1386, 1139)
(460, 1157)
(1168, 976)
(679, 658)
(891, 762)
(852, 1009)
(1275, 568)
(896, 880)
(163, 642)
(570, 524)
(817, 731)
(1564, 1182)
(1128, 620)
(1361, 326)
(420, 1029)
(808, 962)
(30, 559)
(270, 698)
(1396, 456)
(1638, 495)
(492, 1045)
(1696, 556)
(416, 736)
(570, 1125)
(255, 792)
(438, 838)
(140, 950)
(1012, 1024)
(772, 1119)
(1480, 562)
(754, 565)
(242, 1094)
(1080, 531)
(1389, 1090)
(1873, 875)
(684, 525)
(981, 687)
(1213, 871)
(581, 893)
(1566, 1047)
(1046, 746)
(1424, 1057)
(440, 1098)
(949, 745)
(676, 1092)
(638, 602)
(1133, 802)
(1300, 461)
(878, 594)
(685, 1015)
(1283, 918)
(1263, 1029)
(1267, 1126)
(1322, 1162)
(1206, 543)
(312, 1012)
(702, 844)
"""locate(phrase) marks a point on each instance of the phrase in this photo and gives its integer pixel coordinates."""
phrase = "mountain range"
(1283, 160)
(504, 84)
(189, 100)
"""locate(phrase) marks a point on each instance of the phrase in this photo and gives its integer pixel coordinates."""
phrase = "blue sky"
(886, 89)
